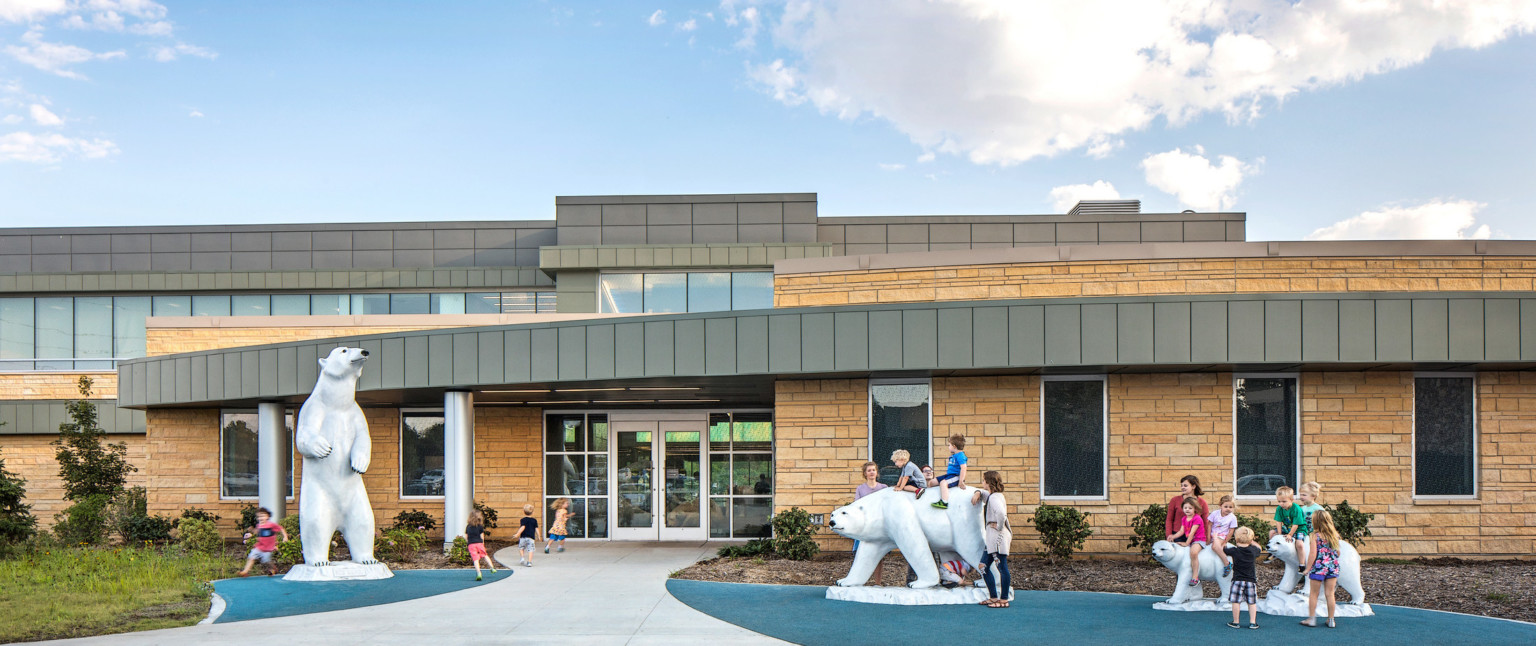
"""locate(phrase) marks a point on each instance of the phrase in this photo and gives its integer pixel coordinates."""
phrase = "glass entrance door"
(658, 476)
(634, 448)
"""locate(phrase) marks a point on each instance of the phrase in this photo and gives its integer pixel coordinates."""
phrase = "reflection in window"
(576, 467)
(17, 333)
(409, 304)
(448, 303)
(709, 292)
(290, 305)
(329, 304)
(93, 332)
(55, 332)
(1444, 437)
(684, 292)
(250, 305)
(214, 305)
(1266, 434)
(172, 305)
(1072, 455)
(740, 474)
(239, 461)
(899, 420)
(128, 314)
(666, 293)
(751, 290)
(421, 454)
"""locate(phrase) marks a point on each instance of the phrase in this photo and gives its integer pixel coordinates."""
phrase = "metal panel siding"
(1170, 332)
(1100, 333)
(1135, 330)
(1501, 329)
(287, 370)
(373, 370)
(418, 358)
(1527, 329)
(955, 338)
(1245, 331)
(1026, 335)
(517, 356)
(466, 349)
(215, 378)
(784, 343)
(1208, 332)
(658, 348)
(199, 378)
(182, 369)
(573, 352)
(250, 373)
(689, 347)
(752, 344)
(1320, 330)
(629, 350)
(989, 336)
(720, 346)
(152, 389)
(885, 341)
(490, 364)
(1466, 330)
(919, 339)
(1063, 334)
(1357, 330)
(1431, 321)
(599, 352)
(1394, 330)
(816, 342)
(544, 354)
(1282, 331)
(851, 341)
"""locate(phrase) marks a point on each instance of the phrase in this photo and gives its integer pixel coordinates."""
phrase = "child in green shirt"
(1306, 498)
(1288, 516)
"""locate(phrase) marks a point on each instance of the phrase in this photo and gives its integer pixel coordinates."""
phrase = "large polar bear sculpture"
(333, 438)
(1284, 548)
(889, 519)
(1176, 558)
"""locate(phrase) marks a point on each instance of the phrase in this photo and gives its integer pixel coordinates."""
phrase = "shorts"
(1223, 537)
(1202, 544)
(953, 478)
(1243, 592)
(557, 537)
(1322, 576)
(264, 557)
(525, 544)
(476, 551)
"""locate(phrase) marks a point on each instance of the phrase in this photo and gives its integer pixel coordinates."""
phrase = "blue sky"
(1415, 124)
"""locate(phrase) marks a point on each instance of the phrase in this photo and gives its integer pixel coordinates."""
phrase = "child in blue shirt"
(955, 473)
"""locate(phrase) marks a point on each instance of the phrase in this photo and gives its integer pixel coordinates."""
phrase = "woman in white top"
(999, 536)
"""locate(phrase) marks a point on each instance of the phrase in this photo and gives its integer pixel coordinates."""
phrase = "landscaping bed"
(1505, 589)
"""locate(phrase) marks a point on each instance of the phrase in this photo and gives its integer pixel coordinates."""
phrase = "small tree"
(89, 466)
(16, 521)
(1351, 523)
(1062, 530)
(792, 532)
(1147, 528)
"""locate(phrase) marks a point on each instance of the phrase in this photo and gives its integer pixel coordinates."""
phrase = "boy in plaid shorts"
(1245, 586)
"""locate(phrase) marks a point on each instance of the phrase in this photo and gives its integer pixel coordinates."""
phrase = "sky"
(1357, 119)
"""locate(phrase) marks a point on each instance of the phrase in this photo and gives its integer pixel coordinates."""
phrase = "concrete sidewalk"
(595, 593)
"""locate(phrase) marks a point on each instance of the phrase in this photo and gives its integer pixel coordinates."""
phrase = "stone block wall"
(821, 437)
(31, 457)
(56, 385)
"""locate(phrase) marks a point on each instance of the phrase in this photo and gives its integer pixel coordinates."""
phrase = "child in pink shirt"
(1192, 535)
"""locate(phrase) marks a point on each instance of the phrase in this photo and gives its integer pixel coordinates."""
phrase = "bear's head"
(1168, 554)
(859, 521)
(1284, 548)
(343, 363)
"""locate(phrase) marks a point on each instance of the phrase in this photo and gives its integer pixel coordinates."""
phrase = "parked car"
(1263, 484)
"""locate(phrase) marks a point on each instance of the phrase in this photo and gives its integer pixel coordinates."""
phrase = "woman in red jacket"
(1189, 486)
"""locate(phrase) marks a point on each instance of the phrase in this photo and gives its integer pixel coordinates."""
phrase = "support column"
(458, 462)
(272, 458)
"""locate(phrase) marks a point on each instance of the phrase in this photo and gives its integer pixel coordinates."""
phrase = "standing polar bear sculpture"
(889, 519)
(1176, 558)
(1287, 600)
(333, 438)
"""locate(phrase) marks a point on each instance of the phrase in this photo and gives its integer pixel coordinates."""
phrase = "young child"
(1245, 585)
(1222, 523)
(911, 478)
(527, 535)
(556, 534)
(954, 473)
(266, 543)
(1322, 564)
(475, 533)
(1192, 535)
(1287, 516)
(1306, 503)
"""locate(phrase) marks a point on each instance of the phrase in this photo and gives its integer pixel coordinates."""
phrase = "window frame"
(730, 471)
(869, 425)
(1104, 453)
(688, 272)
(400, 451)
(1264, 375)
(545, 498)
(292, 463)
(1414, 436)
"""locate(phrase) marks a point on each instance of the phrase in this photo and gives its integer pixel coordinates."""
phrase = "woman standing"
(1189, 487)
(999, 536)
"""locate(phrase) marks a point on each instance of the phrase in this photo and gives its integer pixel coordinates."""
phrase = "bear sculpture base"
(902, 596)
(339, 571)
(1194, 605)
(1282, 604)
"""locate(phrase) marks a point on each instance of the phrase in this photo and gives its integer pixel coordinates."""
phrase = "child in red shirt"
(1192, 535)
(266, 543)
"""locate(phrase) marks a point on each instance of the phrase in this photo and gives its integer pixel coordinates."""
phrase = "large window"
(1444, 437)
(239, 475)
(576, 467)
(421, 453)
(740, 475)
(684, 292)
(899, 419)
(1073, 433)
(1266, 434)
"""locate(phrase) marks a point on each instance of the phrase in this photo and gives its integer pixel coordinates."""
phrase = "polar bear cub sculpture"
(889, 519)
(1284, 548)
(333, 438)
(1176, 558)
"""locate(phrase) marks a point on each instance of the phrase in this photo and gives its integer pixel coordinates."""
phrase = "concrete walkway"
(594, 593)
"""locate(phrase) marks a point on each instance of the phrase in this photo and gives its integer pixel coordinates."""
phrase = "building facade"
(681, 367)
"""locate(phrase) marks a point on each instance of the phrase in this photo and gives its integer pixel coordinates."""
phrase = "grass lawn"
(75, 592)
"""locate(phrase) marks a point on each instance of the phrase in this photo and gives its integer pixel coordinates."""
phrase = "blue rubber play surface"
(261, 597)
(803, 615)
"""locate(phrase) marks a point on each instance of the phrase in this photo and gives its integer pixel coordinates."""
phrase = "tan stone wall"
(1137, 277)
(31, 457)
(821, 436)
(174, 340)
(56, 385)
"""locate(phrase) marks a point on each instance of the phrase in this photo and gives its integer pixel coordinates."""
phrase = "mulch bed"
(1504, 589)
(431, 558)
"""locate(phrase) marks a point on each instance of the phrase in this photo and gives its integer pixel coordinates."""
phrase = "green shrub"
(489, 514)
(399, 544)
(1148, 527)
(248, 515)
(88, 465)
(754, 547)
(146, 529)
(1062, 530)
(415, 519)
(1258, 524)
(792, 532)
(200, 514)
(459, 553)
(17, 523)
(198, 535)
(83, 523)
(1351, 523)
(126, 507)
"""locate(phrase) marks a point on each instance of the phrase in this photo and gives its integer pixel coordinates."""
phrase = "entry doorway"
(658, 475)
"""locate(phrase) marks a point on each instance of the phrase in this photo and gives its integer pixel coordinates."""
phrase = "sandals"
(1194, 582)
(1310, 623)
(1233, 624)
(998, 603)
(988, 602)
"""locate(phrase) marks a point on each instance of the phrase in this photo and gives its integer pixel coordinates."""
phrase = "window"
(17, 333)
(55, 332)
(213, 305)
(899, 419)
(1074, 431)
(250, 305)
(239, 474)
(1444, 436)
(1266, 434)
(684, 292)
(709, 292)
(421, 453)
(93, 333)
(576, 467)
(290, 305)
(740, 475)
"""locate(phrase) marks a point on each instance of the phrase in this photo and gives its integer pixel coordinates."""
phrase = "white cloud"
(29, 10)
(778, 81)
(657, 19)
(1432, 220)
(12, 119)
(748, 18)
(166, 54)
(54, 57)
(1193, 179)
(51, 148)
(926, 157)
(44, 117)
(1104, 147)
(1002, 81)
(1063, 198)
(892, 166)
(195, 113)
(688, 25)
